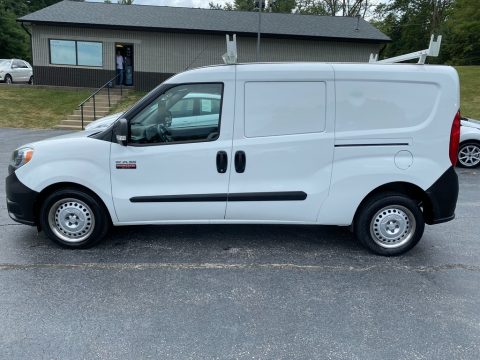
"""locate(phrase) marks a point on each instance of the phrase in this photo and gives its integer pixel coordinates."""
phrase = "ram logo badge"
(126, 164)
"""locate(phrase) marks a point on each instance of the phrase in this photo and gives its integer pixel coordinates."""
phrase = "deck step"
(85, 117)
(67, 127)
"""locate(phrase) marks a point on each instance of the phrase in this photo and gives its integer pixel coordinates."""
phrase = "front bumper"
(21, 201)
(442, 197)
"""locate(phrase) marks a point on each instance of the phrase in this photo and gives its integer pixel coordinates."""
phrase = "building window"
(63, 52)
(89, 53)
(72, 52)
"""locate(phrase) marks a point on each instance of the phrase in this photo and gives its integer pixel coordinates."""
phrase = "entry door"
(283, 145)
(175, 167)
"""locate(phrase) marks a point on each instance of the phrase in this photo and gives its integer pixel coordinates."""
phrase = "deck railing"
(108, 85)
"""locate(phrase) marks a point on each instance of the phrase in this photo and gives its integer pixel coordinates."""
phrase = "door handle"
(222, 162)
(240, 161)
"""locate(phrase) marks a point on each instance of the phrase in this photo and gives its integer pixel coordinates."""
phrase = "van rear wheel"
(73, 219)
(389, 224)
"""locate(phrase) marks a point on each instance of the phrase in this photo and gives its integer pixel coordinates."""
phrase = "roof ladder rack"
(433, 50)
(230, 57)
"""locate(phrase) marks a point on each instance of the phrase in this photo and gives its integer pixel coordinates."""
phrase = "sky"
(194, 3)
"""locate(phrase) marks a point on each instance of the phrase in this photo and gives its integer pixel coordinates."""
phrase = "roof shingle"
(204, 20)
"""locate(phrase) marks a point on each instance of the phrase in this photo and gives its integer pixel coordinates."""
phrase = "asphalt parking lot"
(239, 292)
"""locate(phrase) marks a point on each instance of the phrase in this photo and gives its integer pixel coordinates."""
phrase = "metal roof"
(180, 19)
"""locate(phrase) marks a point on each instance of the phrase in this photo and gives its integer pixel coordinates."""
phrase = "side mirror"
(121, 131)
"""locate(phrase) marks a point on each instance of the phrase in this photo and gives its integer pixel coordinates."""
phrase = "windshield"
(3, 61)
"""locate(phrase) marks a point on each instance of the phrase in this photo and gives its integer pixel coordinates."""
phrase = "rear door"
(283, 144)
(20, 70)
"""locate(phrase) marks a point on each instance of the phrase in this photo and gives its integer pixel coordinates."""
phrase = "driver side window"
(179, 116)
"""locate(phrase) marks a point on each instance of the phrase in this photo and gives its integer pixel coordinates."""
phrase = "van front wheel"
(389, 224)
(73, 219)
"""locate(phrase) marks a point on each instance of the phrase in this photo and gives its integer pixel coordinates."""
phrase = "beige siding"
(174, 52)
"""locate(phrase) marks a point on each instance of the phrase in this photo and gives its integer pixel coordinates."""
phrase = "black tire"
(90, 221)
(465, 149)
(30, 81)
(8, 79)
(389, 224)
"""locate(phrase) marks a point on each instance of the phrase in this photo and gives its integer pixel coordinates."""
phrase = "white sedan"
(469, 150)
(15, 70)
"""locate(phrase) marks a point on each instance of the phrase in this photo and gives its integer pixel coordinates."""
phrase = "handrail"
(107, 85)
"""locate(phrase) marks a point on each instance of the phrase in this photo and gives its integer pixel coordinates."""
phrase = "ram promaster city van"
(363, 145)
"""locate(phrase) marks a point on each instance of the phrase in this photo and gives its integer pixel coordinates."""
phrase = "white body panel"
(299, 161)
(470, 131)
(72, 158)
(376, 124)
(175, 169)
(413, 105)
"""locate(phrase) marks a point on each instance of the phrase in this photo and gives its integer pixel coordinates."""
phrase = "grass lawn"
(128, 101)
(470, 90)
(26, 107)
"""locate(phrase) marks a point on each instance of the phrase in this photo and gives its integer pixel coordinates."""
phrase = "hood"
(72, 135)
(472, 123)
(104, 122)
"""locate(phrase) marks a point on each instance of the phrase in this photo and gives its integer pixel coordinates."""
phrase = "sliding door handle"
(222, 162)
(240, 161)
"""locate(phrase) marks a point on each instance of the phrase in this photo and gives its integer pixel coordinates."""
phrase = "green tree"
(14, 41)
(463, 33)
(409, 23)
(282, 6)
(333, 7)
(313, 7)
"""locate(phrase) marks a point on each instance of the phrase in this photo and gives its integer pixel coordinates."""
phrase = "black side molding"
(260, 196)
(442, 197)
(269, 196)
(371, 144)
(20, 200)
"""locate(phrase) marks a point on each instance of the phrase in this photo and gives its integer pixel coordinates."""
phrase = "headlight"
(20, 157)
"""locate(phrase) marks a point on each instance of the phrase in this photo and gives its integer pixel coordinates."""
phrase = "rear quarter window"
(377, 105)
(284, 108)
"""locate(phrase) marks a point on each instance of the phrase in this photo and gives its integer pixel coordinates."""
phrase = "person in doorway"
(120, 67)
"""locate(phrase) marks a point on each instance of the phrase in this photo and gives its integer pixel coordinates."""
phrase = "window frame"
(76, 53)
(155, 96)
(19, 64)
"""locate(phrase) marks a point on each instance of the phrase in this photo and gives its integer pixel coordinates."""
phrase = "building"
(75, 43)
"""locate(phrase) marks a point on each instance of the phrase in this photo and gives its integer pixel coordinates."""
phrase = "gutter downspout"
(30, 36)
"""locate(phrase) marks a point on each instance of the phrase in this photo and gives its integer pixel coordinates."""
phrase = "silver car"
(469, 150)
(15, 70)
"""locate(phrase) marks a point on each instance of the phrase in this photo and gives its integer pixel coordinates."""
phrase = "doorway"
(125, 50)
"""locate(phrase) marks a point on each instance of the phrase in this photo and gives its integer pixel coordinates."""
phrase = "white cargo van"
(363, 145)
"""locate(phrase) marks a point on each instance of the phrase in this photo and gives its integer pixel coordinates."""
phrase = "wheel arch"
(467, 141)
(42, 195)
(405, 188)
